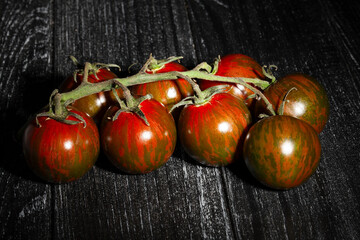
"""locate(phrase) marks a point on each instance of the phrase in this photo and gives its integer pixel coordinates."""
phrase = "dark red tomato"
(94, 105)
(281, 151)
(168, 92)
(134, 147)
(212, 133)
(236, 65)
(58, 152)
(308, 102)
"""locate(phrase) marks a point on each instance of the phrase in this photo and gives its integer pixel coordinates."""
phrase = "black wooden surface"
(182, 200)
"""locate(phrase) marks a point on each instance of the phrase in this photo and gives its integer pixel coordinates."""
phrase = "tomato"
(58, 152)
(94, 105)
(168, 92)
(236, 65)
(212, 132)
(281, 151)
(134, 147)
(308, 102)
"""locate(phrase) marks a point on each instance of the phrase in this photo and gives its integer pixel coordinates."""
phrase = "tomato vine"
(215, 124)
(59, 101)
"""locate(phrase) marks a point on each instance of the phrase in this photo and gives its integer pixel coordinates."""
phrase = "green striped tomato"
(59, 152)
(212, 133)
(134, 147)
(282, 151)
(236, 65)
(168, 92)
(308, 102)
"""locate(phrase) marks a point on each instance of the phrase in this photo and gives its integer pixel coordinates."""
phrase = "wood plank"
(26, 51)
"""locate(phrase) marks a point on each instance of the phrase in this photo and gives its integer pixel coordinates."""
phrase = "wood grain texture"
(182, 200)
(25, 63)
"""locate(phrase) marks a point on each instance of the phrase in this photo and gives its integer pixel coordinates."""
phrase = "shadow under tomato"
(182, 154)
(239, 169)
(35, 95)
(13, 160)
(104, 163)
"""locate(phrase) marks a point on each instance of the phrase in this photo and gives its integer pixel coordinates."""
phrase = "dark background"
(182, 200)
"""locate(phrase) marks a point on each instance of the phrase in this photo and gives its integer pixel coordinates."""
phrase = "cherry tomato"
(212, 133)
(308, 101)
(58, 152)
(134, 147)
(94, 105)
(236, 65)
(281, 151)
(168, 92)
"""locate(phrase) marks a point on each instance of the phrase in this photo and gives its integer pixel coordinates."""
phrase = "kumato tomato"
(281, 151)
(236, 65)
(212, 133)
(58, 152)
(134, 147)
(308, 101)
(168, 92)
(94, 105)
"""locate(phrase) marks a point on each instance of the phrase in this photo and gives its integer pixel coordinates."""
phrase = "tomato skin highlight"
(94, 105)
(57, 152)
(131, 145)
(168, 92)
(236, 65)
(212, 133)
(308, 102)
(281, 151)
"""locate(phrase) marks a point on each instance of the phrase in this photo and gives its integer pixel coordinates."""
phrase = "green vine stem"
(202, 71)
(141, 78)
(195, 87)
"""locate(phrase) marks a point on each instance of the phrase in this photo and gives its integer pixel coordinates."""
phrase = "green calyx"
(205, 96)
(200, 97)
(90, 68)
(59, 112)
(154, 65)
(130, 104)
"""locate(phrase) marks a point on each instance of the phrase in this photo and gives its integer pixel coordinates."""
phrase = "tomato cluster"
(217, 126)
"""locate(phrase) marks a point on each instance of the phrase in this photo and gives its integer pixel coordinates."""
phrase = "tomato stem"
(131, 104)
(142, 77)
(284, 100)
(86, 72)
(195, 87)
(268, 72)
(129, 99)
(201, 71)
